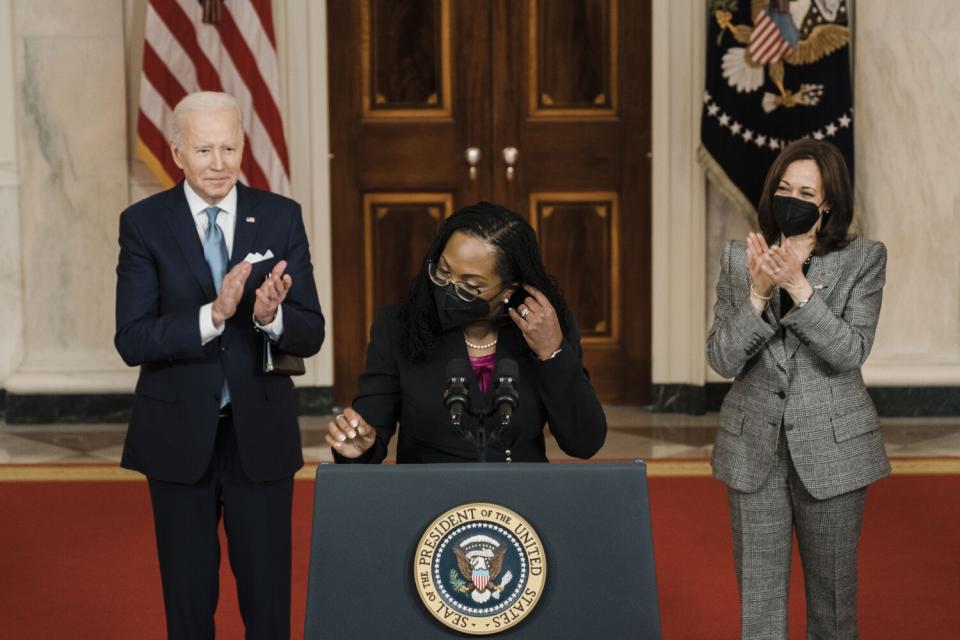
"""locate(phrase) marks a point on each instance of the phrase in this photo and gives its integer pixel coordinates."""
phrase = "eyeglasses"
(464, 290)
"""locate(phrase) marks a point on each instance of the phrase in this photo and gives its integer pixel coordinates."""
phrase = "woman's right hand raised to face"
(349, 434)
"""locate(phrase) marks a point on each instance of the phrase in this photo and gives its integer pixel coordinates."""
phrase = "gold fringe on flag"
(719, 178)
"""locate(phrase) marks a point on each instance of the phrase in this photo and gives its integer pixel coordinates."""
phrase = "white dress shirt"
(227, 221)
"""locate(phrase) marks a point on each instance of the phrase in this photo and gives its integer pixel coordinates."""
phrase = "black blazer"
(162, 281)
(555, 391)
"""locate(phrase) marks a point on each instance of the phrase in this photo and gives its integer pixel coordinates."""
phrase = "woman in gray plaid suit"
(795, 317)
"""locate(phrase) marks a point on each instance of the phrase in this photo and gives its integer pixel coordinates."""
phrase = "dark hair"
(518, 260)
(837, 193)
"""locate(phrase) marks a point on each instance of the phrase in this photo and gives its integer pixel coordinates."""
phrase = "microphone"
(456, 394)
(506, 396)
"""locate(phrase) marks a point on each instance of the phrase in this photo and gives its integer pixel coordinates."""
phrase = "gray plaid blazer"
(809, 381)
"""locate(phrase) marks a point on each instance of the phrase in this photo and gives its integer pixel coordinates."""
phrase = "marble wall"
(11, 290)
(908, 154)
(72, 167)
(906, 89)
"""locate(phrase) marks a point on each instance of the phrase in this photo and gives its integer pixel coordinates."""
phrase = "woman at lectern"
(482, 298)
(796, 312)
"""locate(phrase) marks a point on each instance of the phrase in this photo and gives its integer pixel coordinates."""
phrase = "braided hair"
(518, 260)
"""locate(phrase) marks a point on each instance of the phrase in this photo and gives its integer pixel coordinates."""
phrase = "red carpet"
(77, 561)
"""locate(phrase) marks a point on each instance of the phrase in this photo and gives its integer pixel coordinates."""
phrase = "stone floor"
(633, 433)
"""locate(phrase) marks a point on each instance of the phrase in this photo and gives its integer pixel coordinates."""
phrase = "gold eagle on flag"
(794, 32)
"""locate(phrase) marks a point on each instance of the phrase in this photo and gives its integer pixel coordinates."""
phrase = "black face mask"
(455, 312)
(793, 215)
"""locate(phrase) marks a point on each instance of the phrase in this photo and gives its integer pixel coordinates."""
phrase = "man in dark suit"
(207, 271)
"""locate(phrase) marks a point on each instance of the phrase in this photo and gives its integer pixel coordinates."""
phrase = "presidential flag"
(213, 45)
(777, 71)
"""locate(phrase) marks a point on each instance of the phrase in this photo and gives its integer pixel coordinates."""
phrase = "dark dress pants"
(256, 517)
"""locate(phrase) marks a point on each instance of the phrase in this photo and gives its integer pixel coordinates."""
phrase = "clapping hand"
(784, 263)
(760, 276)
(231, 292)
(272, 293)
(780, 265)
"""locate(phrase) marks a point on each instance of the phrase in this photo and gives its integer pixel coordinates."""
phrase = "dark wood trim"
(343, 19)
(636, 250)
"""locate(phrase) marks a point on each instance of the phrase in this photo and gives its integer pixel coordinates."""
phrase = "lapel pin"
(251, 219)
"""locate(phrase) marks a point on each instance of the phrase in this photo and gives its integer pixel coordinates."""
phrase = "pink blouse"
(483, 369)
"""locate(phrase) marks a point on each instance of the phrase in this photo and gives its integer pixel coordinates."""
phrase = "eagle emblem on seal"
(784, 32)
(480, 560)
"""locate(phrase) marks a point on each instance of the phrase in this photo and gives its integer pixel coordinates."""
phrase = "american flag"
(213, 45)
(773, 36)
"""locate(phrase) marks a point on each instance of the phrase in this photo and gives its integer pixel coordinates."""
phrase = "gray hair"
(201, 101)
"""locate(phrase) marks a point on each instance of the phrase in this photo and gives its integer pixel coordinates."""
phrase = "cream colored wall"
(678, 212)
(11, 286)
(907, 158)
(72, 177)
(907, 137)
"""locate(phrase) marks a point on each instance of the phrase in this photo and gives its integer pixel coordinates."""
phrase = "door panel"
(578, 237)
(405, 58)
(582, 157)
(414, 83)
(572, 58)
(398, 230)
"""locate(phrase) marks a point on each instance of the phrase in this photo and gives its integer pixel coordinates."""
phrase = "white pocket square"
(254, 258)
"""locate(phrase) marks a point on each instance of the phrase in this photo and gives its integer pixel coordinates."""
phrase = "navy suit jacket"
(162, 281)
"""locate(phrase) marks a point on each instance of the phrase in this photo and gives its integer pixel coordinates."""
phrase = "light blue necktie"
(215, 252)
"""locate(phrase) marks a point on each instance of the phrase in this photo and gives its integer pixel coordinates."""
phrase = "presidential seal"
(480, 568)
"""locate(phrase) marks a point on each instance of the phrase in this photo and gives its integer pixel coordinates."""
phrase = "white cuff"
(273, 330)
(208, 331)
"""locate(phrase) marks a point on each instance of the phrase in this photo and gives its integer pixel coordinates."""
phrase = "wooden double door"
(539, 105)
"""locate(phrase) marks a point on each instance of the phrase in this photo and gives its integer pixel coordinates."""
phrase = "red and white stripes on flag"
(767, 45)
(237, 55)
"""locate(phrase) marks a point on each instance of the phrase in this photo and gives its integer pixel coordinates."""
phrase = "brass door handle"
(510, 155)
(473, 156)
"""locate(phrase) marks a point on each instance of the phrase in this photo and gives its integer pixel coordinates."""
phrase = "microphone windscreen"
(506, 368)
(458, 368)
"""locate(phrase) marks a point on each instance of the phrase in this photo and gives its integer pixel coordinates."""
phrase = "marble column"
(678, 211)
(72, 159)
(10, 272)
(908, 152)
